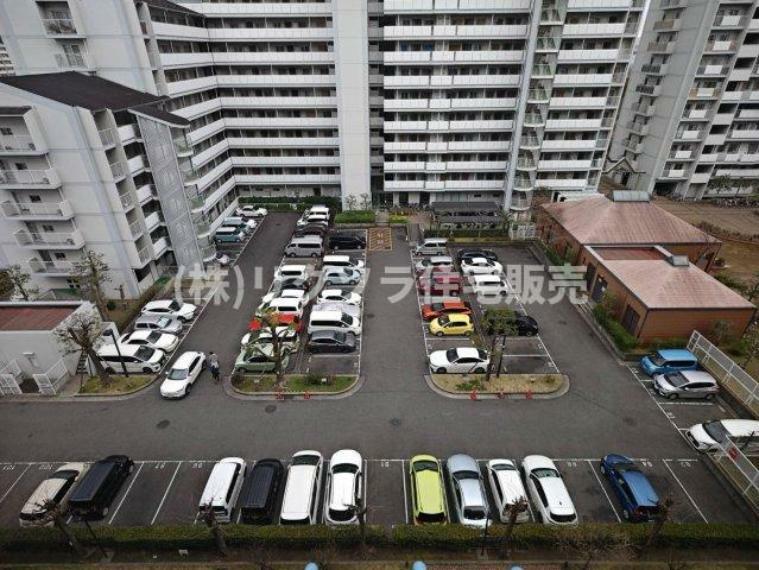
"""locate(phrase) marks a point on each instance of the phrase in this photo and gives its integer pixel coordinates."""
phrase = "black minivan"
(260, 491)
(346, 241)
(92, 497)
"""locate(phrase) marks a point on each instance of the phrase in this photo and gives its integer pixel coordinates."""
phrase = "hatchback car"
(290, 283)
(480, 266)
(157, 323)
(464, 360)
(249, 211)
(439, 284)
(489, 286)
(288, 338)
(344, 495)
(154, 339)
(436, 262)
(346, 241)
(507, 489)
(445, 307)
(686, 384)
(340, 296)
(183, 374)
(548, 492)
(52, 492)
(341, 276)
(428, 503)
(289, 271)
(669, 360)
(284, 293)
(346, 308)
(469, 498)
(331, 341)
(170, 308)
(471, 253)
(639, 501)
(453, 324)
(260, 358)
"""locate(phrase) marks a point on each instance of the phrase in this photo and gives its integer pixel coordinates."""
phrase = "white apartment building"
(689, 123)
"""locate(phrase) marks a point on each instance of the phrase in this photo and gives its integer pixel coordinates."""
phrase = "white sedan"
(340, 296)
(480, 266)
(251, 211)
(507, 488)
(459, 361)
(284, 294)
(548, 492)
(153, 339)
(344, 487)
(182, 375)
(170, 308)
(351, 310)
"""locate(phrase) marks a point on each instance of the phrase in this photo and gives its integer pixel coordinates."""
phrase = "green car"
(427, 490)
(259, 359)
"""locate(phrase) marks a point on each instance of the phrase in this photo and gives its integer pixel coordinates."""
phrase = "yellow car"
(451, 324)
(427, 490)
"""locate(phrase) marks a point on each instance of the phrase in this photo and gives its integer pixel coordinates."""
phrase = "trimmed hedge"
(623, 339)
(299, 203)
(355, 217)
(470, 233)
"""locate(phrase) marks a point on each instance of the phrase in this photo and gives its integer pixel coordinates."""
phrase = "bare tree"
(498, 322)
(513, 511)
(752, 288)
(750, 342)
(18, 281)
(91, 273)
(593, 541)
(82, 332)
(270, 322)
(350, 202)
(665, 509)
(54, 514)
(366, 201)
(208, 516)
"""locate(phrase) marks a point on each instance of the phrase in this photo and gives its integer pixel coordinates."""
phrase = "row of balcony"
(441, 147)
(450, 80)
(49, 240)
(439, 103)
(18, 144)
(404, 126)
(37, 210)
(440, 166)
(32, 178)
(478, 56)
(444, 185)
(463, 31)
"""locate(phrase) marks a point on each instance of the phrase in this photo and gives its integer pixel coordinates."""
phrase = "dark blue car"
(640, 503)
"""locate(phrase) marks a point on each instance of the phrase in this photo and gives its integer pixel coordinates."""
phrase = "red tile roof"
(37, 318)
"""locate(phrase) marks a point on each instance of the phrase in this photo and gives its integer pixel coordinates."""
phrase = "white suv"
(170, 308)
(547, 490)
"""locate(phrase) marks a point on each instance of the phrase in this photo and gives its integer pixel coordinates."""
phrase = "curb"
(233, 392)
(122, 395)
(491, 396)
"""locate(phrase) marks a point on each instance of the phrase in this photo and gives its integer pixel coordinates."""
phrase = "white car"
(480, 266)
(352, 310)
(548, 492)
(340, 296)
(344, 487)
(287, 335)
(343, 261)
(170, 308)
(434, 262)
(154, 339)
(56, 489)
(507, 489)
(469, 499)
(251, 211)
(459, 361)
(222, 258)
(489, 286)
(284, 294)
(289, 305)
(311, 218)
(182, 375)
(291, 271)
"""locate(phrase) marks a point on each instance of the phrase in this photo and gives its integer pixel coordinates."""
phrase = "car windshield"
(676, 379)
(444, 320)
(174, 305)
(474, 513)
(451, 355)
(437, 306)
(459, 475)
(544, 472)
(347, 319)
(425, 466)
(163, 322)
(656, 359)
(154, 337)
(344, 468)
(623, 466)
(482, 354)
(504, 467)
(177, 374)
(716, 431)
(305, 460)
(144, 353)
(431, 517)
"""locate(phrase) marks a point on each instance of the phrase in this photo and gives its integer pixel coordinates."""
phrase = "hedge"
(300, 203)
(464, 233)
(355, 217)
(623, 339)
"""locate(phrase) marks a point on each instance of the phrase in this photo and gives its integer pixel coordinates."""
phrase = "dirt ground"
(741, 220)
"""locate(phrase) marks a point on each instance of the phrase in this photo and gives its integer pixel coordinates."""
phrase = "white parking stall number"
(44, 466)
(197, 465)
(9, 467)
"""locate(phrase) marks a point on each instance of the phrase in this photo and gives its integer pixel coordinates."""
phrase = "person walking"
(213, 365)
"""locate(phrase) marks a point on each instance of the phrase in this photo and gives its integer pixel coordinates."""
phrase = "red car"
(439, 284)
(445, 307)
(283, 319)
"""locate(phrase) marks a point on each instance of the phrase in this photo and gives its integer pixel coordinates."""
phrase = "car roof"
(641, 488)
(293, 267)
(185, 359)
(141, 333)
(93, 480)
(458, 317)
(125, 349)
(218, 482)
(160, 303)
(429, 488)
(467, 352)
(698, 376)
(538, 462)
(461, 462)
(676, 354)
(559, 501)
(255, 490)
(349, 456)
(471, 493)
(325, 334)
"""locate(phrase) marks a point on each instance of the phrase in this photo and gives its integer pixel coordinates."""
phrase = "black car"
(260, 492)
(471, 253)
(346, 241)
(311, 230)
(524, 325)
(92, 497)
(292, 283)
(332, 341)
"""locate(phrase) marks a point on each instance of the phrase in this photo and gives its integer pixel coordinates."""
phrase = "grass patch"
(257, 383)
(119, 384)
(505, 383)
(355, 217)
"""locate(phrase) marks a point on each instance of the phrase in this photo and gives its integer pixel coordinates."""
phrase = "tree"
(366, 201)
(82, 332)
(593, 541)
(18, 280)
(208, 515)
(721, 330)
(513, 511)
(270, 321)
(665, 509)
(91, 273)
(350, 202)
(750, 342)
(498, 322)
(54, 514)
(752, 289)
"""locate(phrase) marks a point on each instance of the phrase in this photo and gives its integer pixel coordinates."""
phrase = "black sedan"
(346, 241)
(331, 341)
(523, 325)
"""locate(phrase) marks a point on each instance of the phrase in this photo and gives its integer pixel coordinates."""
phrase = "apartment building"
(6, 67)
(689, 122)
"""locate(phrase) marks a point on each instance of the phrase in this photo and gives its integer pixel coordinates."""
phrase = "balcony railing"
(72, 60)
(538, 95)
(59, 26)
(126, 201)
(136, 229)
(41, 266)
(117, 169)
(60, 210)
(108, 137)
(50, 239)
(27, 177)
(14, 143)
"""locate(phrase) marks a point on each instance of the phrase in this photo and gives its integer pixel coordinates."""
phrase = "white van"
(333, 320)
(238, 221)
(343, 261)
(319, 210)
(135, 358)
(743, 433)
(292, 272)
(301, 499)
(223, 487)
(306, 246)
(287, 305)
(489, 285)
(432, 246)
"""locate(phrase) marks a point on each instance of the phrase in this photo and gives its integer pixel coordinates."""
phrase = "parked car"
(92, 497)
(470, 253)
(439, 284)
(54, 491)
(469, 498)
(341, 276)
(548, 492)
(306, 246)
(182, 375)
(352, 310)
(489, 286)
(166, 325)
(708, 435)
(344, 494)
(327, 341)
(260, 358)
(639, 500)
(245, 224)
(133, 358)
(320, 230)
(170, 308)
(453, 324)
(686, 384)
(290, 305)
(309, 218)
(507, 489)
(668, 360)
(229, 234)
(434, 262)
(260, 491)
(340, 296)
(290, 283)
(278, 319)
(288, 337)
(346, 241)
(511, 323)
(292, 272)
(338, 321)
(343, 261)
(432, 246)
(445, 307)
(152, 339)
(221, 258)
(300, 502)
(223, 488)
(250, 211)
(462, 360)
(428, 503)
(299, 294)
(480, 266)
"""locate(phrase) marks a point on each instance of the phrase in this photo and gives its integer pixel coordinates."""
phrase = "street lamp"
(111, 334)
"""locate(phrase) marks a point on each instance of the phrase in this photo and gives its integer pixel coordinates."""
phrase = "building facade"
(689, 122)
(6, 67)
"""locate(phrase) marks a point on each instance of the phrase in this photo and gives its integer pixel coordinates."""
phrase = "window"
(6, 131)
(630, 320)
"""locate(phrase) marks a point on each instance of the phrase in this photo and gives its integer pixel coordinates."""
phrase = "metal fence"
(10, 374)
(523, 231)
(49, 382)
(739, 469)
(742, 386)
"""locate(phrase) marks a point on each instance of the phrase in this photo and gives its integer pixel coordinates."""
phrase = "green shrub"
(398, 219)
(355, 217)
(622, 339)
(551, 254)
(663, 343)
(332, 203)
(468, 233)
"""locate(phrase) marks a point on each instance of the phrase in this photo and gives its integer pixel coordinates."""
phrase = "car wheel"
(440, 371)
(188, 390)
(671, 396)
(439, 333)
(353, 282)
(479, 370)
(626, 514)
(131, 468)
(289, 255)
(710, 397)
(314, 255)
(147, 370)
(328, 282)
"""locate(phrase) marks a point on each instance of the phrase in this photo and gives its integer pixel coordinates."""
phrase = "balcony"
(68, 60)
(711, 70)
(534, 120)
(145, 193)
(700, 178)
(538, 96)
(670, 25)
(650, 90)
(576, 124)
(720, 46)
(32, 211)
(152, 221)
(126, 202)
(579, 102)
(11, 179)
(547, 43)
(18, 145)
(697, 114)
(59, 27)
(53, 268)
(602, 29)
(744, 134)
(160, 246)
(565, 164)
(661, 47)
(674, 173)
(117, 169)
(722, 21)
(681, 154)
(655, 68)
(135, 229)
(108, 137)
(644, 109)
(49, 240)
(689, 135)
(703, 92)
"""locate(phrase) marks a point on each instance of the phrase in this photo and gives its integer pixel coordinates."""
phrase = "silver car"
(469, 499)
(686, 384)
(158, 323)
(346, 308)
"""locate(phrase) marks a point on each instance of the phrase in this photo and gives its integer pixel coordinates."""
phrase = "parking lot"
(233, 250)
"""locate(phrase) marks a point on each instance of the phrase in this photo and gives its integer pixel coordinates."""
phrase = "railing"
(52, 379)
(145, 254)
(25, 177)
(71, 60)
(135, 228)
(25, 237)
(740, 470)
(59, 26)
(542, 69)
(108, 137)
(547, 43)
(16, 143)
(126, 201)
(117, 169)
(40, 266)
(538, 95)
(55, 209)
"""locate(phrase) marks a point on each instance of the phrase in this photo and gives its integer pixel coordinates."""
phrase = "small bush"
(622, 339)
(110, 305)
(398, 219)
(332, 203)
(313, 379)
(355, 217)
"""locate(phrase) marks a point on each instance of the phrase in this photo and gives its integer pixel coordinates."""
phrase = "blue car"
(640, 503)
(668, 361)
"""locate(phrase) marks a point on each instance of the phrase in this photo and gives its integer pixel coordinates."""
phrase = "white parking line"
(600, 484)
(405, 494)
(165, 494)
(679, 403)
(9, 489)
(667, 414)
(121, 502)
(687, 494)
